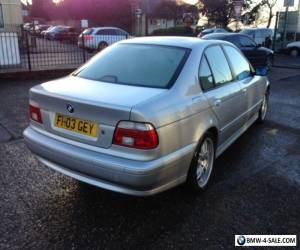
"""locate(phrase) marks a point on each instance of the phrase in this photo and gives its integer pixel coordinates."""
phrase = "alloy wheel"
(205, 162)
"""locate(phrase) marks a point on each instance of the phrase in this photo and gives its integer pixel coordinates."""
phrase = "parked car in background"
(43, 33)
(293, 48)
(262, 36)
(210, 31)
(147, 114)
(67, 34)
(27, 26)
(51, 32)
(98, 38)
(61, 33)
(257, 55)
(41, 27)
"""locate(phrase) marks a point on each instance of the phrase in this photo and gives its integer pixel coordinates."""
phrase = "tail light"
(135, 135)
(35, 113)
(88, 38)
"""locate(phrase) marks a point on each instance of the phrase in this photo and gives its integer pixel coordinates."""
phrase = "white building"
(10, 13)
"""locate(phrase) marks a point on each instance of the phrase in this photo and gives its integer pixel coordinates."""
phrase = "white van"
(259, 35)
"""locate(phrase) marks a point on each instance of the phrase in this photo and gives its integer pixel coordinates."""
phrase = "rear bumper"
(117, 174)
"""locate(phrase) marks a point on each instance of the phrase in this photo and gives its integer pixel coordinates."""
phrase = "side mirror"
(261, 71)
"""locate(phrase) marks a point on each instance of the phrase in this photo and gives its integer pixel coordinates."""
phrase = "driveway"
(256, 190)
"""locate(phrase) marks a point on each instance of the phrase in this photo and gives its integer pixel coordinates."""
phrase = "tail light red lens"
(135, 135)
(35, 113)
(88, 38)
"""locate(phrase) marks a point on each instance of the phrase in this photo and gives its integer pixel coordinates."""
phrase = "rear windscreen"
(136, 64)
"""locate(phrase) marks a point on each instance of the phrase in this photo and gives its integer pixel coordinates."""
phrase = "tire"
(269, 63)
(264, 108)
(102, 46)
(201, 170)
(294, 52)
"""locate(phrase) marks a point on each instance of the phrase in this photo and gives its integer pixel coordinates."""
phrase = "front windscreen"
(136, 64)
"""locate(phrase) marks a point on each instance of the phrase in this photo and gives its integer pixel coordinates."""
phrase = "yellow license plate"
(76, 125)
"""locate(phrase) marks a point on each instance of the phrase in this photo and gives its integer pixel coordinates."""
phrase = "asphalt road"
(256, 190)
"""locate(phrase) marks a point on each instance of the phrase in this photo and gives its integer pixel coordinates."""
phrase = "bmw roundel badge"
(70, 108)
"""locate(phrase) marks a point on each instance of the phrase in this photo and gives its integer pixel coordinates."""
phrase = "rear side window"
(219, 65)
(239, 64)
(136, 64)
(205, 75)
(121, 33)
(107, 32)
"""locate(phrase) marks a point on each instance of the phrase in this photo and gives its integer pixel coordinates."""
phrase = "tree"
(174, 10)
(40, 8)
(98, 12)
(221, 12)
(270, 4)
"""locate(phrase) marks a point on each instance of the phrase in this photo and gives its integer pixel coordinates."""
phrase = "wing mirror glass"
(261, 71)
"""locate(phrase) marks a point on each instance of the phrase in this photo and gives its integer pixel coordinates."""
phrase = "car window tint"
(246, 42)
(219, 65)
(235, 40)
(111, 32)
(205, 75)
(250, 33)
(106, 32)
(121, 32)
(239, 64)
(136, 64)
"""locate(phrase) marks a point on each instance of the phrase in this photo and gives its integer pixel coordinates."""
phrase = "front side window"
(1, 17)
(239, 64)
(219, 65)
(205, 75)
(136, 64)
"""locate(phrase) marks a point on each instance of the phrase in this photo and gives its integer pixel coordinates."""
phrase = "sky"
(279, 2)
(279, 6)
(188, 1)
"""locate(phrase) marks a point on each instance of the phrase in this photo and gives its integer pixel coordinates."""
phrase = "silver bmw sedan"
(147, 114)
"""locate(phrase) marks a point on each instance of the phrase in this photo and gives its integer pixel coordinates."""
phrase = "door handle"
(218, 103)
(244, 90)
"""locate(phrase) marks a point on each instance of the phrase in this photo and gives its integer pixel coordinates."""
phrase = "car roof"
(256, 29)
(104, 28)
(184, 42)
(223, 35)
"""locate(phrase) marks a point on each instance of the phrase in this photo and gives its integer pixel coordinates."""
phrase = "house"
(10, 14)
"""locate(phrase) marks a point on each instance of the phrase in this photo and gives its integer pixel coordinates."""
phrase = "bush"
(174, 31)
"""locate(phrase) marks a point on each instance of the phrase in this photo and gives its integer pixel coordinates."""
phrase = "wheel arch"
(214, 131)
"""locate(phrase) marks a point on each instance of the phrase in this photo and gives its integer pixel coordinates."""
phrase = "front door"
(248, 82)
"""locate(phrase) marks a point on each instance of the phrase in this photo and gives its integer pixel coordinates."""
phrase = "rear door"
(222, 92)
(121, 34)
(108, 36)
